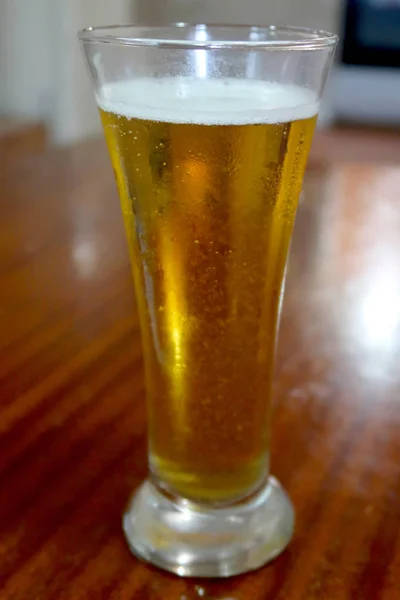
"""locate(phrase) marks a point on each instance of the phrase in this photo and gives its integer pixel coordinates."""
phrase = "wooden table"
(20, 137)
(72, 419)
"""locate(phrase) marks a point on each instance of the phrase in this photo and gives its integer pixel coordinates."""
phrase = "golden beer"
(209, 174)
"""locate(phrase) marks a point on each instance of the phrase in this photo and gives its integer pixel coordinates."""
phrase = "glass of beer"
(209, 130)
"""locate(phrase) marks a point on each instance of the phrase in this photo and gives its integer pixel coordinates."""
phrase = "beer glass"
(208, 129)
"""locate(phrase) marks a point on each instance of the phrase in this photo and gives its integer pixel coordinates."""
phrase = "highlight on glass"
(209, 130)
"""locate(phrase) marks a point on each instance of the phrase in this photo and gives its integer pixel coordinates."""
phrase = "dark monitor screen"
(372, 33)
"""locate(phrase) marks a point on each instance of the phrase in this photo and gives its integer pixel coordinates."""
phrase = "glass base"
(196, 541)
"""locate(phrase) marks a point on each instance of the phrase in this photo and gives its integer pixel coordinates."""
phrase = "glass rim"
(162, 36)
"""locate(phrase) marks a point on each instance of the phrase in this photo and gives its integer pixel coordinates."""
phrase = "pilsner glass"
(208, 129)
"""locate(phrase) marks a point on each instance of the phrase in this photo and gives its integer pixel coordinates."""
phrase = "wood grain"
(72, 417)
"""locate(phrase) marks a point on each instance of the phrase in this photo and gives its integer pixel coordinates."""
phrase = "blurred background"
(45, 96)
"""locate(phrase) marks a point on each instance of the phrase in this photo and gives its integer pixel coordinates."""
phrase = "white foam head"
(208, 101)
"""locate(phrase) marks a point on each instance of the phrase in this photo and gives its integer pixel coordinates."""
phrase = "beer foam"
(208, 101)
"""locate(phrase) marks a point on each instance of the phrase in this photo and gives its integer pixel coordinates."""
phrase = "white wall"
(25, 60)
(322, 14)
(76, 116)
(42, 72)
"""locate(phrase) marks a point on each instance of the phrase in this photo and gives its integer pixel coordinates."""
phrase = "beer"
(209, 174)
